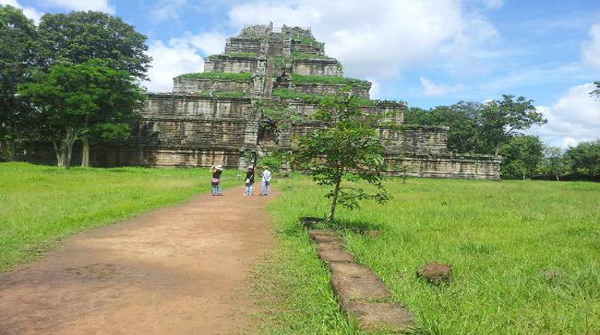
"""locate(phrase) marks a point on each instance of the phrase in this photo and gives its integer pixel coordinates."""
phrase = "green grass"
(244, 77)
(305, 79)
(499, 237)
(39, 205)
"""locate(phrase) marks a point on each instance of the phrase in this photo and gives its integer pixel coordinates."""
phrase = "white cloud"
(170, 60)
(381, 38)
(493, 4)
(431, 89)
(574, 118)
(96, 5)
(180, 55)
(29, 12)
(590, 51)
(167, 9)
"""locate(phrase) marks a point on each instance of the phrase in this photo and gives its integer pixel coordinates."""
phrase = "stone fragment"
(335, 255)
(435, 273)
(352, 282)
(309, 221)
(328, 239)
(381, 316)
(321, 232)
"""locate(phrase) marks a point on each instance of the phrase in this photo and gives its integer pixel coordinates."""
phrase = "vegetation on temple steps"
(345, 147)
(222, 94)
(596, 92)
(244, 77)
(302, 55)
(285, 93)
(306, 79)
(43, 204)
(500, 238)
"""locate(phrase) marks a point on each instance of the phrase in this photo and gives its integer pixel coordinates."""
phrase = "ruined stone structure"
(216, 117)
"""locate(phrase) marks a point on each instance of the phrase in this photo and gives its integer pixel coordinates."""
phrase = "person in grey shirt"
(265, 185)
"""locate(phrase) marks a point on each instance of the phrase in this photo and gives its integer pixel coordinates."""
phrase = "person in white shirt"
(265, 185)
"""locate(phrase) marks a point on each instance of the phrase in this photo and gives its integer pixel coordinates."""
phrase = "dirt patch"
(435, 273)
(178, 270)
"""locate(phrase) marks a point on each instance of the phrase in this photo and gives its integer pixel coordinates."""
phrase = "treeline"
(496, 127)
(74, 77)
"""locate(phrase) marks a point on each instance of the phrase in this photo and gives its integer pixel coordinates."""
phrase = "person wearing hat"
(265, 187)
(249, 181)
(215, 183)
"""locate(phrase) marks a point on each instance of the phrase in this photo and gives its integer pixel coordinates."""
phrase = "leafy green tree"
(503, 119)
(521, 157)
(73, 101)
(17, 49)
(585, 158)
(78, 37)
(346, 146)
(555, 162)
(480, 127)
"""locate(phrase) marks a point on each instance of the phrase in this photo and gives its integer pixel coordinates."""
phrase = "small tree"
(521, 157)
(73, 101)
(345, 146)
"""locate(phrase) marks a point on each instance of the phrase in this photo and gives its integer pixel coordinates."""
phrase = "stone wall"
(196, 85)
(227, 64)
(240, 44)
(191, 106)
(445, 166)
(315, 47)
(418, 140)
(317, 67)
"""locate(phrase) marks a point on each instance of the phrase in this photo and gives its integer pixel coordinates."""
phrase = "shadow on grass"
(355, 226)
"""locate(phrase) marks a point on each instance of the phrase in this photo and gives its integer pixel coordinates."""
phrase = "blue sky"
(428, 52)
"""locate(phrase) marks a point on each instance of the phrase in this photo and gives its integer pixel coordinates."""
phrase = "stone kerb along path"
(177, 270)
(361, 293)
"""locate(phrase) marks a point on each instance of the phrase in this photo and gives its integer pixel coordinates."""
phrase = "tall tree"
(76, 100)
(78, 37)
(585, 158)
(521, 157)
(346, 146)
(17, 49)
(555, 162)
(505, 118)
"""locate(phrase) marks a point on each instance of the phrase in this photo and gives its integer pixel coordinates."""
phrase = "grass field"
(525, 255)
(39, 205)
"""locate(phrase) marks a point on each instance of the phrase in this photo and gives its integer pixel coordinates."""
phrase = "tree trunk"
(557, 179)
(69, 141)
(13, 151)
(59, 150)
(85, 153)
(336, 192)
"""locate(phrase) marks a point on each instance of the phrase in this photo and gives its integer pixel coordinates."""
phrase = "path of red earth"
(178, 270)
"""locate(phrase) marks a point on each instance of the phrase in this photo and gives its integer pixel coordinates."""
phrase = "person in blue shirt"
(265, 186)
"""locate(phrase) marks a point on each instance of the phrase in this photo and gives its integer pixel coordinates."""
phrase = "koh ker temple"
(217, 117)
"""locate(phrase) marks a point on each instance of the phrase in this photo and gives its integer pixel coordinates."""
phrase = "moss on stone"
(304, 79)
(244, 77)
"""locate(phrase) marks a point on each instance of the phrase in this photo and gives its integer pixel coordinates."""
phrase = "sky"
(427, 52)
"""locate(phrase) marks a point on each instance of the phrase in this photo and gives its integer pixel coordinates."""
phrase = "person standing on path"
(265, 187)
(215, 182)
(249, 181)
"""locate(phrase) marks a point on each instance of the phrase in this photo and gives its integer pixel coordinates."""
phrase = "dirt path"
(178, 270)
